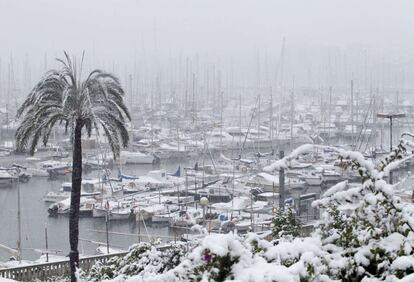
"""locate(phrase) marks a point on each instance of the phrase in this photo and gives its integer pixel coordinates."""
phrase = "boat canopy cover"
(124, 176)
(177, 173)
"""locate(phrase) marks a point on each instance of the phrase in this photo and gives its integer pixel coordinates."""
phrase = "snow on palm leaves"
(61, 97)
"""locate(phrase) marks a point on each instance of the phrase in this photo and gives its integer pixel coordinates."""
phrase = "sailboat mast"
(258, 126)
(130, 89)
(194, 105)
(329, 114)
(8, 91)
(186, 89)
(47, 245)
(240, 119)
(1, 74)
(292, 115)
(374, 117)
(232, 193)
(19, 220)
(221, 120)
(270, 118)
(352, 111)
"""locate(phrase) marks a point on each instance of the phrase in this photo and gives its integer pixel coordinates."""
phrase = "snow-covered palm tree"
(62, 97)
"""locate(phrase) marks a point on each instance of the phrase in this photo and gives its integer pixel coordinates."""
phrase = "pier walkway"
(48, 271)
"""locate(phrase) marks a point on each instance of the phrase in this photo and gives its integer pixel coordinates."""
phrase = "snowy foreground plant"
(143, 259)
(367, 230)
(221, 257)
(285, 224)
(366, 234)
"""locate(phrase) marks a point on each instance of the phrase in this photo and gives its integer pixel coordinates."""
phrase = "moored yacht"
(7, 176)
(56, 168)
(128, 157)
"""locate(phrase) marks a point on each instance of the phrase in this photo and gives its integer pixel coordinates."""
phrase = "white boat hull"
(97, 212)
(332, 178)
(243, 226)
(7, 181)
(37, 172)
(161, 218)
(121, 215)
(136, 158)
(55, 197)
(313, 181)
(103, 250)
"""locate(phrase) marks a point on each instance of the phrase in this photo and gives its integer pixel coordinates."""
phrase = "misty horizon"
(326, 42)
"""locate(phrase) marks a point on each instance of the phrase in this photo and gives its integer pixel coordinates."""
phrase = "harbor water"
(35, 219)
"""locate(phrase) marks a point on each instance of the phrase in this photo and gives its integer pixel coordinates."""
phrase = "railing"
(46, 271)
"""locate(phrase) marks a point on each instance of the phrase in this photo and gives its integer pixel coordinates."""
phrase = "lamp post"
(17, 169)
(19, 219)
(204, 203)
(391, 116)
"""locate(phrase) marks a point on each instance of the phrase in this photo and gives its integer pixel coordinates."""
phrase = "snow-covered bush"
(143, 260)
(366, 231)
(365, 234)
(230, 257)
(367, 224)
(285, 224)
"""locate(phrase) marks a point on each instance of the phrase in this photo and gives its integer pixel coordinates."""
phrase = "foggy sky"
(214, 26)
(223, 30)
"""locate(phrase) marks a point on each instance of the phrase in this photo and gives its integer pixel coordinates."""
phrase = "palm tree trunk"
(75, 200)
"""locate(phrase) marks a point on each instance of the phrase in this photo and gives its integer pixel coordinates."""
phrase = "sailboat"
(128, 157)
(7, 177)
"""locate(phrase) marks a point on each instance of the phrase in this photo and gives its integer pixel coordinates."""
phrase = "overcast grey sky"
(231, 29)
(203, 26)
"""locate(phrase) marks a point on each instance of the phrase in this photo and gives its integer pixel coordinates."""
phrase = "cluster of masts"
(205, 113)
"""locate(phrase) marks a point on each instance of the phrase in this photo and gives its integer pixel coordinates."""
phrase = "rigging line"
(248, 128)
(207, 147)
(401, 124)
(408, 123)
(100, 243)
(361, 137)
(145, 226)
(202, 151)
(129, 234)
(373, 132)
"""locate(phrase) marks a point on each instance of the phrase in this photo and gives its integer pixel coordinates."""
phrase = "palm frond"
(60, 97)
